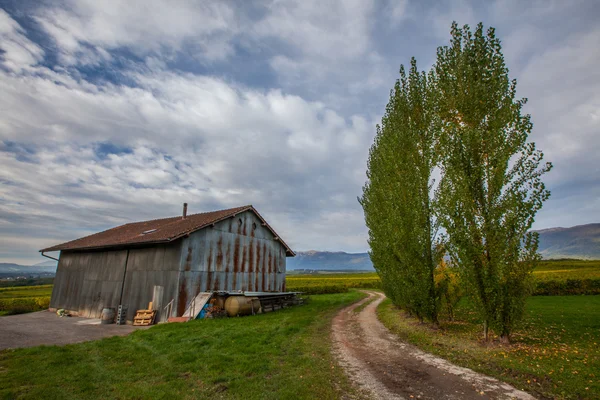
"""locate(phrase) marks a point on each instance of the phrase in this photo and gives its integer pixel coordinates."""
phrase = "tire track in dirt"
(384, 367)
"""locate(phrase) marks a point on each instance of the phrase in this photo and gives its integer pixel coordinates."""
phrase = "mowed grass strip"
(280, 355)
(554, 354)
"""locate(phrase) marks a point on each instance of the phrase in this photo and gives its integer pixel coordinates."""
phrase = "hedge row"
(567, 288)
(24, 304)
(543, 288)
(318, 289)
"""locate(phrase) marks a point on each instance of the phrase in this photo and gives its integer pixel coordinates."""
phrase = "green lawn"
(555, 353)
(280, 355)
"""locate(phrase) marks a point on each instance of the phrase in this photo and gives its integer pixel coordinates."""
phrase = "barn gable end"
(236, 254)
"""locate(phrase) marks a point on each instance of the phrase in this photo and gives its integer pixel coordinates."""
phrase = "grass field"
(561, 270)
(18, 292)
(555, 353)
(279, 355)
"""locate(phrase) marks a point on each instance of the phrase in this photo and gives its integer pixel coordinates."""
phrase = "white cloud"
(85, 29)
(294, 144)
(192, 138)
(17, 51)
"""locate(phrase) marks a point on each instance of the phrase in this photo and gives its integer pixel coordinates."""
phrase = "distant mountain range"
(580, 242)
(333, 261)
(45, 267)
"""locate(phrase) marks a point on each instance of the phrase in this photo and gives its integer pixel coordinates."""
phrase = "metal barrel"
(241, 305)
(107, 316)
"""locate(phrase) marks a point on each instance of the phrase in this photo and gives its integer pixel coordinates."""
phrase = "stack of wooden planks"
(144, 317)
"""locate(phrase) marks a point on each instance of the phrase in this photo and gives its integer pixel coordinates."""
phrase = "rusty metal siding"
(236, 254)
(88, 282)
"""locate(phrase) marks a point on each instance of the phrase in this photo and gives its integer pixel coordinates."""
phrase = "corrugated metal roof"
(157, 231)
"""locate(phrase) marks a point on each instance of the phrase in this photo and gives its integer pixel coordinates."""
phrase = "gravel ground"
(44, 327)
(384, 367)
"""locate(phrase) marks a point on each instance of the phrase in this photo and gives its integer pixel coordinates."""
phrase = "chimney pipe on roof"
(184, 210)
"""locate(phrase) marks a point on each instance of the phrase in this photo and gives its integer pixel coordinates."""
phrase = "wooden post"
(157, 301)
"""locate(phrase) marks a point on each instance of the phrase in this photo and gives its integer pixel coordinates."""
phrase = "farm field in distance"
(277, 355)
(21, 299)
(561, 270)
(548, 272)
(329, 283)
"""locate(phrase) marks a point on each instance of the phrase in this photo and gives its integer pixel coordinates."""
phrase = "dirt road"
(383, 367)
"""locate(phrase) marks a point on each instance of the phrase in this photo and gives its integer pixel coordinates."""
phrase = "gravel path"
(383, 367)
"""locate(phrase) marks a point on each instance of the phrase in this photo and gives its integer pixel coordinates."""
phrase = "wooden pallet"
(144, 317)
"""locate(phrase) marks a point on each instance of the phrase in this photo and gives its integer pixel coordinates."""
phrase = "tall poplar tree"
(397, 198)
(491, 188)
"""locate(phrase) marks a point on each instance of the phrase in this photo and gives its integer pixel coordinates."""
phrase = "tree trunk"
(485, 331)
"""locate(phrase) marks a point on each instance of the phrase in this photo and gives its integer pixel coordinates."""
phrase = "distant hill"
(48, 263)
(332, 261)
(581, 242)
(16, 269)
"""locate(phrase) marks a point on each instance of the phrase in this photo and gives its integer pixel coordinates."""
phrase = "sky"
(119, 111)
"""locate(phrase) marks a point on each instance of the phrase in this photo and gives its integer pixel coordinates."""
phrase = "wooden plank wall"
(149, 267)
(88, 282)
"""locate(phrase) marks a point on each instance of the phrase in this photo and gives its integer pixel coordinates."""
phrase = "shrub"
(24, 305)
(319, 289)
(448, 288)
(568, 287)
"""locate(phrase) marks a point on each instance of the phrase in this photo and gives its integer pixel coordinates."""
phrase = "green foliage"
(397, 200)
(491, 185)
(448, 287)
(22, 305)
(567, 287)
(463, 118)
(278, 355)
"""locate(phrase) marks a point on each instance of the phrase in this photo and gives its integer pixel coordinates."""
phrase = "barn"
(178, 257)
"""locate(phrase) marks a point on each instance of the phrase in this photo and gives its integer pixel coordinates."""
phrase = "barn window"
(254, 226)
(239, 221)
